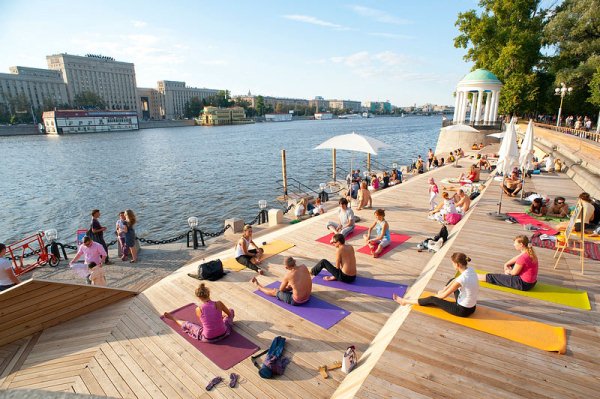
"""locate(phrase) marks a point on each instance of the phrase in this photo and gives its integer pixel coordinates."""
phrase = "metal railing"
(583, 134)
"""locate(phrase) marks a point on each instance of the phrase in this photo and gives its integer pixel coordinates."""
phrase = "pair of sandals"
(233, 380)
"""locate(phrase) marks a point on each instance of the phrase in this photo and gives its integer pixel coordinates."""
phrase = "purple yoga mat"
(363, 285)
(225, 353)
(316, 310)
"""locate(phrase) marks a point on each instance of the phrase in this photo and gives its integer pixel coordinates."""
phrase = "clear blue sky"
(362, 50)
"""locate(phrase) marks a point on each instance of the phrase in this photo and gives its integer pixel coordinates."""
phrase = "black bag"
(474, 195)
(211, 271)
(443, 234)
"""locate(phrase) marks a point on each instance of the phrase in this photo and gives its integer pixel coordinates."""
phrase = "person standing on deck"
(98, 232)
(345, 262)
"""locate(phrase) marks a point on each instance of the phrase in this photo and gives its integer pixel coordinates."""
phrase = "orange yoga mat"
(527, 332)
(271, 248)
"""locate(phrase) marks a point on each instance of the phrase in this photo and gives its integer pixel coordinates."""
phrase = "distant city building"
(176, 95)
(384, 107)
(36, 85)
(273, 101)
(283, 117)
(353, 106)
(76, 121)
(214, 116)
(318, 104)
(151, 102)
(114, 81)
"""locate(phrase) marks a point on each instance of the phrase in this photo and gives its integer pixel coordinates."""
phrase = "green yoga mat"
(546, 218)
(549, 293)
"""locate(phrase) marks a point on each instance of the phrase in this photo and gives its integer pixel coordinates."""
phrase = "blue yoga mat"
(316, 310)
(363, 285)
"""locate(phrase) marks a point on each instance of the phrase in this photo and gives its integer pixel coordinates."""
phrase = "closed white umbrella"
(508, 158)
(526, 154)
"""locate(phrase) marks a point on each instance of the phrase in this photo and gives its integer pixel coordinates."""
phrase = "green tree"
(506, 38)
(595, 94)
(193, 107)
(260, 105)
(89, 100)
(574, 33)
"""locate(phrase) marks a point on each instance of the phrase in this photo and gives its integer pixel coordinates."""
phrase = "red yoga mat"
(395, 240)
(357, 231)
(225, 353)
(524, 219)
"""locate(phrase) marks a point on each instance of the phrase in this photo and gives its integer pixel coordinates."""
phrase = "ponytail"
(460, 259)
(524, 240)
(203, 292)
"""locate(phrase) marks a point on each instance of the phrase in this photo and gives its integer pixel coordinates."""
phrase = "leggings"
(506, 280)
(335, 272)
(451, 307)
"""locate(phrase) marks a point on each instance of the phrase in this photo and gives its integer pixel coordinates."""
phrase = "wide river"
(168, 175)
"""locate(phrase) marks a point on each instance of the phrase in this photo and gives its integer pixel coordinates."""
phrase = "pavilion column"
(486, 115)
(456, 102)
(463, 108)
(459, 115)
(495, 106)
(473, 107)
(479, 103)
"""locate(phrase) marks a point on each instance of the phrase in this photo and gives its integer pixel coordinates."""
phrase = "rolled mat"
(592, 249)
(527, 332)
(395, 240)
(547, 292)
(523, 218)
(363, 285)
(316, 310)
(271, 248)
(357, 230)
(225, 353)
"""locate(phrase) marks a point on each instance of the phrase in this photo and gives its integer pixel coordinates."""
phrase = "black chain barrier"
(218, 233)
(288, 209)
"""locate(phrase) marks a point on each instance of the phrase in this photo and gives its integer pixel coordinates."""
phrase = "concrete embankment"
(19, 130)
(165, 124)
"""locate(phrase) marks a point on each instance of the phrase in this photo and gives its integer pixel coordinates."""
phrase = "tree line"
(532, 50)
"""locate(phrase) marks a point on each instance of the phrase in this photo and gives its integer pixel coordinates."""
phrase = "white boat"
(323, 115)
(350, 116)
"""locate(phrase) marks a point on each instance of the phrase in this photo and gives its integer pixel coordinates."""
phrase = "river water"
(168, 175)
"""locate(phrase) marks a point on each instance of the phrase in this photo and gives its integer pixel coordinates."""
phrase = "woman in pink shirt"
(215, 319)
(521, 271)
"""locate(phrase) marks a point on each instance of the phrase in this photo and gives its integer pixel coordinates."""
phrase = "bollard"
(237, 226)
(275, 217)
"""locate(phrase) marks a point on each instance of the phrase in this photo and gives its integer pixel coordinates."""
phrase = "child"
(97, 276)
(121, 230)
(318, 209)
(382, 234)
(433, 192)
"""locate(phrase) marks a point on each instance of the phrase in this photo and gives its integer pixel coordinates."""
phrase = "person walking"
(98, 232)
(130, 221)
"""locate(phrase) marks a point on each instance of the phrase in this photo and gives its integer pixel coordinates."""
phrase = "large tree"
(505, 37)
(89, 100)
(573, 38)
(193, 107)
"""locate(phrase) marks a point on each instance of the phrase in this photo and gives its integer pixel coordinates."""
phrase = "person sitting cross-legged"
(346, 220)
(382, 234)
(246, 256)
(465, 288)
(521, 271)
(512, 185)
(296, 286)
(345, 262)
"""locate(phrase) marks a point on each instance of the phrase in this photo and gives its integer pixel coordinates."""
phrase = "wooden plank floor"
(125, 350)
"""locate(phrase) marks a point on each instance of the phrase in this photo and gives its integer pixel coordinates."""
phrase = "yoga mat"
(363, 285)
(395, 240)
(357, 231)
(523, 218)
(592, 249)
(547, 292)
(316, 310)
(271, 248)
(527, 332)
(225, 353)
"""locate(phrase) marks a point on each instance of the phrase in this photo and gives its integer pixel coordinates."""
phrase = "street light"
(263, 216)
(395, 165)
(561, 91)
(193, 223)
(323, 195)
(51, 235)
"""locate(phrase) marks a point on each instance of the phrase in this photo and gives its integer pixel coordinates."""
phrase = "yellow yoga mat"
(549, 293)
(527, 332)
(271, 248)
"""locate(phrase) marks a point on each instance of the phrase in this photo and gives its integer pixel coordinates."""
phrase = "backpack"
(274, 363)
(474, 195)
(211, 271)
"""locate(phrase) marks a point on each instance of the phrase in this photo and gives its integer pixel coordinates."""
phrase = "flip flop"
(233, 380)
(214, 382)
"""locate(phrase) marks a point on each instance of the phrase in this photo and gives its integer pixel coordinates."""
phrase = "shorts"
(383, 243)
(287, 297)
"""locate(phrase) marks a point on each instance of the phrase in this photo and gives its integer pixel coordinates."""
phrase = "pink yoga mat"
(357, 231)
(225, 353)
(395, 240)
(523, 218)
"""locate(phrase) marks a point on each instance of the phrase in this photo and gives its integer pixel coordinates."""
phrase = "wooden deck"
(125, 350)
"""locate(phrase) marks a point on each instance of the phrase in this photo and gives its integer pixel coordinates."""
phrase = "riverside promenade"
(125, 350)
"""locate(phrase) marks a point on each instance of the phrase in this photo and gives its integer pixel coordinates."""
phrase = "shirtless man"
(296, 286)
(559, 208)
(512, 185)
(345, 262)
(464, 202)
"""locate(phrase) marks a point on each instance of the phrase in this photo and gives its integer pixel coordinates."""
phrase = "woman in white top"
(300, 208)
(465, 288)
(246, 256)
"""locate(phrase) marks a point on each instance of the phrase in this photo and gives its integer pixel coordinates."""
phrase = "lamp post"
(323, 196)
(52, 235)
(264, 215)
(561, 91)
(193, 223)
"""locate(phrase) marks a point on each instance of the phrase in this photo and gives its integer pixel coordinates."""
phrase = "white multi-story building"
(36, 85)
(113, 81)
(77, 121)
(176, 95)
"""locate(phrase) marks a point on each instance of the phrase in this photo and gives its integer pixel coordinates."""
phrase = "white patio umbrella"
(526, 154)
(497, 135)
(508, 157)
(460, 128)
(353, 142)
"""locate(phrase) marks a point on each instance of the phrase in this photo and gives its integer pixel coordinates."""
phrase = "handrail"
(378, 164)
(301, 185)
(584, 134)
